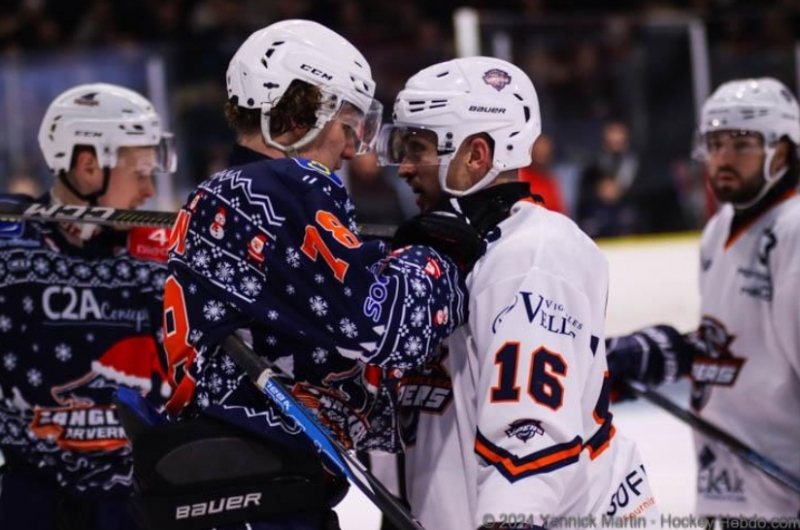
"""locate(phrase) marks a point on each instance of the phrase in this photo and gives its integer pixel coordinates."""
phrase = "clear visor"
(362, 127)
(415, 145)
(166, 155)
(735, 142)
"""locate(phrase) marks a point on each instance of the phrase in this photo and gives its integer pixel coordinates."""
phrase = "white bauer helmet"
(271, 58)
(462, 97)
(105, 117)
(763, 106)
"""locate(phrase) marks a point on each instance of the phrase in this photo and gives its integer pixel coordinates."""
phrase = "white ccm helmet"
(271, 58)
(764, 106)
(105, 117)
(460, 98)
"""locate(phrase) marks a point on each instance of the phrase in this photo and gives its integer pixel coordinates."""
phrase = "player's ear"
(479, 158)
(85, 163)
(781, 158)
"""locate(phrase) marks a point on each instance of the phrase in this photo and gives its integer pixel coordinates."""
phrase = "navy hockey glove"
(652, 355)
(449, 233)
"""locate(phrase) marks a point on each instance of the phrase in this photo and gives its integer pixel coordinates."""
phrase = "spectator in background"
(23, 184)
(605, 206)
(539, 175)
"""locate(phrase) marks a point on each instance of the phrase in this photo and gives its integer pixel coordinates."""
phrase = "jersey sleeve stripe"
(515, 468)
(601, 440)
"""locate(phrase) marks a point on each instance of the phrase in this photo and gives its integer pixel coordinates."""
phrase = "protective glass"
(735, 142)
(362, 127)
(398, 144)
(166, 155)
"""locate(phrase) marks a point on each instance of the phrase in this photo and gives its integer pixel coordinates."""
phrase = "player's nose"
(406, 170)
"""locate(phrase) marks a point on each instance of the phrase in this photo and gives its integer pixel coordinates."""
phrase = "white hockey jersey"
(524, 434)
(750, 383)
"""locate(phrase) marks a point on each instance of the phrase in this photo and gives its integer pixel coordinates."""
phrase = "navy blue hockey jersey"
(75, 323)
(271, 248)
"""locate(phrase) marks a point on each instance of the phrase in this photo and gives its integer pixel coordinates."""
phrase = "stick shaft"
(14, 211)
(738, 448)
(329, 447)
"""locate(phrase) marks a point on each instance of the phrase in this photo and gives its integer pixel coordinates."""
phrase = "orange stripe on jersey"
(515, 468)
(735, 234)
(182, 395)
(594, 452)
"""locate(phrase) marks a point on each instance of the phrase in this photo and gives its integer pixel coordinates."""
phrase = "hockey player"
(269, 249)
(80, 314)
(743, 359)
(510, 426)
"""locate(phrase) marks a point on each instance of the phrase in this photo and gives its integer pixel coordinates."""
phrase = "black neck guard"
(488, 207)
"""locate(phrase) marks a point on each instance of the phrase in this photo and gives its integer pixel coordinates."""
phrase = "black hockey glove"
(652, 355)
(449, 233)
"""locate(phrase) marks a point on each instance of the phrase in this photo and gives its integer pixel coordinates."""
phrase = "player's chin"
(733, 194)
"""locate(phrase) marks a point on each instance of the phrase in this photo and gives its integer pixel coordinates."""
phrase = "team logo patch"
(719, 367)
(499, 79)
(524, 429)
(87, 100)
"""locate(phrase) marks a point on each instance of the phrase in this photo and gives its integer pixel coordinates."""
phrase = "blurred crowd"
(614, 80)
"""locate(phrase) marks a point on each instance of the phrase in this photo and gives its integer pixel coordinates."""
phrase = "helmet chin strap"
(92, 197)
(323, 114)
(291, 151)
(770, 181)
(444, 166)
(83, 231)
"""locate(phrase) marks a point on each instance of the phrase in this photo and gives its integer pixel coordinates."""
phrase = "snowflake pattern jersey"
(271, 248)
(75, 323)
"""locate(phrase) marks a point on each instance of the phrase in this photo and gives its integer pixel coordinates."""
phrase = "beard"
(736, 190)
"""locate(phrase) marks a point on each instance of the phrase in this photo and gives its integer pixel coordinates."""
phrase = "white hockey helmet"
(105, 117)
(763, 105)
(462, 97)
(271, 58)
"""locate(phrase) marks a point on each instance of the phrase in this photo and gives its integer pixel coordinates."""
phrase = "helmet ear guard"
(463, 97)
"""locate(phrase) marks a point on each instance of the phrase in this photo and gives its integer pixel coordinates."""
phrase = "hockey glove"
(449, 233)
(652, 355)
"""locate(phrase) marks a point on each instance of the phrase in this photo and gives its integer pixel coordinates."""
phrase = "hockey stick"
(737, 447)
(14, 211)
(329, 448)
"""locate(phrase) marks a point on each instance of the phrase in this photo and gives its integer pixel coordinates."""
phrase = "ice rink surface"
(653, 281)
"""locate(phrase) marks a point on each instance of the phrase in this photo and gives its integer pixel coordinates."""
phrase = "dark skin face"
(735, 164)
(420, 167)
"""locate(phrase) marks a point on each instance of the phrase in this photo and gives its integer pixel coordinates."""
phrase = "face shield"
(166, 155)
(735, 142)
(414, 145)
(363, 128)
